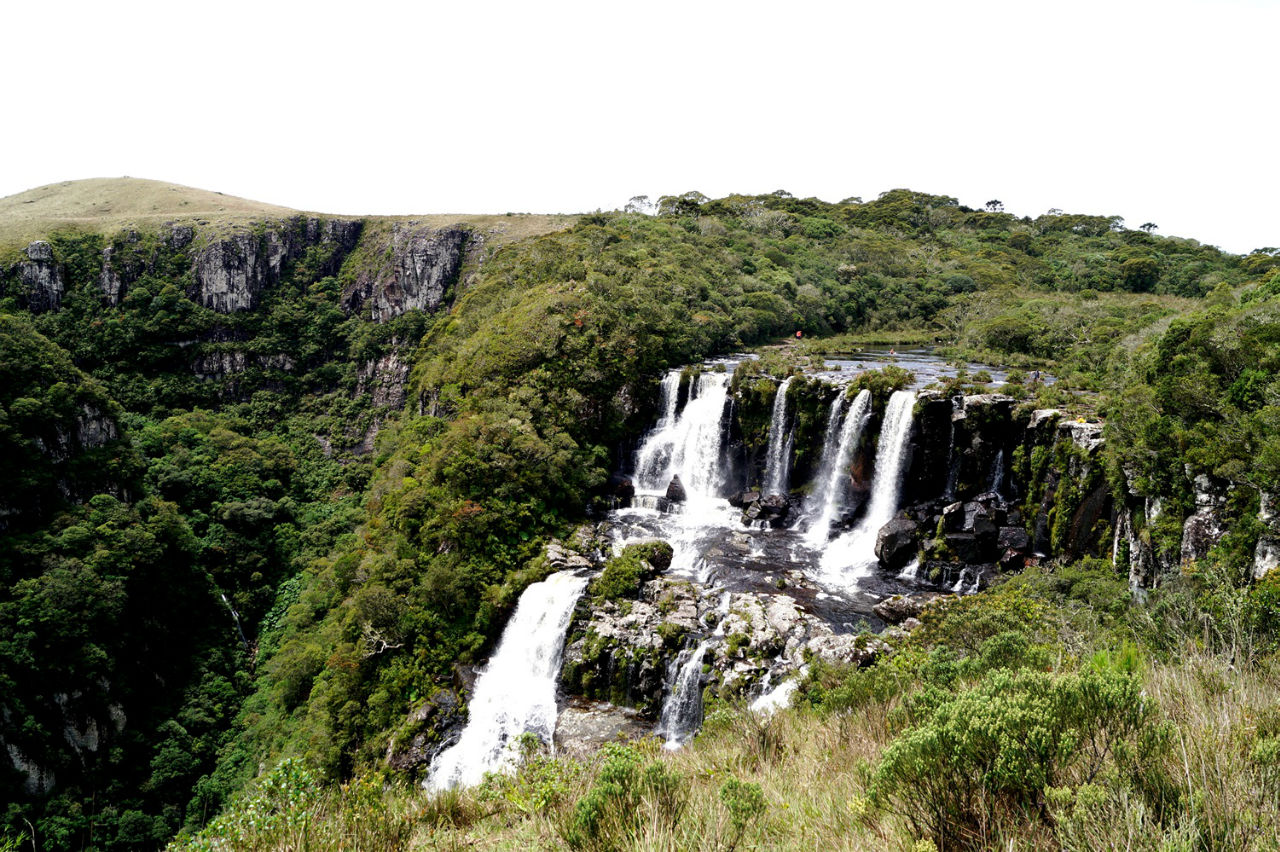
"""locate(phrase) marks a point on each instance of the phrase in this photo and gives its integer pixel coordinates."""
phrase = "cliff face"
(37, 281)
(232, 273)
(418, 270)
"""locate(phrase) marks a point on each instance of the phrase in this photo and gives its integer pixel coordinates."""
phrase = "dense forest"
(242, 542)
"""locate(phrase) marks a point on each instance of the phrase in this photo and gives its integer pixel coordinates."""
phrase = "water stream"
(682, 708)
(516, 693)
(778, 456)
(852, 554)
(833, 470)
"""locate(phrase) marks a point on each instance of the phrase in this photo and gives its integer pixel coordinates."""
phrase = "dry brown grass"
(110, 205)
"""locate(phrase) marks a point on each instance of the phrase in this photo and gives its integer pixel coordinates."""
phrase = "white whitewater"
(827, 499)
(997, 473)
(688, 444)
(852, 555)
(778, 456)
(780, 696)
(517, 690)
(682, 708)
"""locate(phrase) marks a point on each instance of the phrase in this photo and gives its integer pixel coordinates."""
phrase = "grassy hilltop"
(112, 205)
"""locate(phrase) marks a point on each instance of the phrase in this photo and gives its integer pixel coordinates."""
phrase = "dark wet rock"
(675, 491)
(743, 499)
(965, 546)
(1013, 538)
(624, 488)
(424, 733)
(896, 543)
(953, 517)
(772, 509)
(900, 608)
(1013, 560)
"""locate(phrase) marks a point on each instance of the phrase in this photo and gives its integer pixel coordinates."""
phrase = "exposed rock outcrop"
(37, 281)
(384, 380)
(1267, 554)
(420, 268)
(231, 273)
(1206, 525)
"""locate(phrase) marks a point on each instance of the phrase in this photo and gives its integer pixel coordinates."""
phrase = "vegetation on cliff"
(248, 574)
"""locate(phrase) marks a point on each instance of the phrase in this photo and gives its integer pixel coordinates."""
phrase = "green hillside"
(313, 506)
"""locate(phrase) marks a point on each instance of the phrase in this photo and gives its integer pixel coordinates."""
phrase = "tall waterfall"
(852, 554)
(682, 708)
(825, 502)
(687, 445)
(517, 690)
(778, 457)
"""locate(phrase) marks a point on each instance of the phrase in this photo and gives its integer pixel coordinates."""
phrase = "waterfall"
(669, 397)
(853, 554)
(682, 708)
(827, 499)
(997, 474)
(687, 444)
(778, 697)
(953, 459)
(517, 690)
(235, 616)
(778, 458)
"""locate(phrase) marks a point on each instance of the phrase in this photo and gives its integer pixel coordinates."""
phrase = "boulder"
(859, 650)
(896, 543)
(743, 499)
(1013, 538)
(584, 726)
(675, 491)
(900, 608)
(965, 546)
(773, 509)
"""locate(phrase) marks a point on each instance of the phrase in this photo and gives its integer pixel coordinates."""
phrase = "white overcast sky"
(1158, 111)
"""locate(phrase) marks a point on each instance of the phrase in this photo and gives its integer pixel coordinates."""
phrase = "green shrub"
(628, 798)
(624, 574)
(974, 761)
(746, 805)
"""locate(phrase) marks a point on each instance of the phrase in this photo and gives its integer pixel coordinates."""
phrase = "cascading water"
(778, 457)
(827, 499)
(997, 473)
(689, 444)
(682, 708)
(517, 691)
(853, 554)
